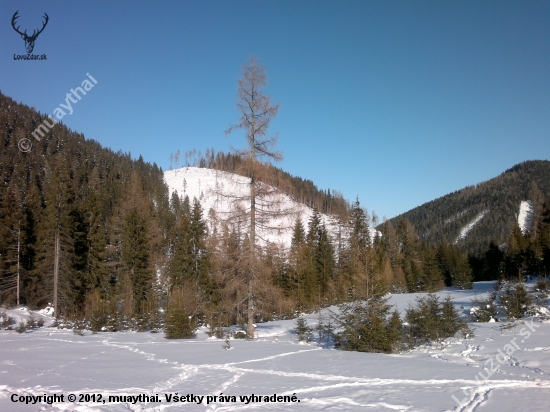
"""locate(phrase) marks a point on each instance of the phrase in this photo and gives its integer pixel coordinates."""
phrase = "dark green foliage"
(135, 255)
(324, 329)
(442, 219)
(359, 278)
(312, 263)
(484, 310)
(455, 266)
(432, 321)
(514, 299)
(431, 279)
(395, 330)
(71, 187)
(190, 262)
(363, 326)
(303, 331)
(178, 325)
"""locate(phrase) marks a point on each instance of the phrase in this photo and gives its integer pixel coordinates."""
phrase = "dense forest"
(96, 234)
(496, 200)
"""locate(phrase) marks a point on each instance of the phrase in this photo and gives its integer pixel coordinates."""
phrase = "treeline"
(97, 233)
(524, 254)
(97, 219)
(301, 190)
(497, 199)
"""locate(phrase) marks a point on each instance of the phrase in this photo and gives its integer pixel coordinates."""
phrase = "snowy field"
(495, 371)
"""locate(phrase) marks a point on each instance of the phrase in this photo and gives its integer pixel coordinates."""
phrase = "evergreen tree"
(515, 300)
(431, 279)
(135, 256)
(178, 325)
(364, 326)
(55, 223)
(431, 321)
(320, 257)
(303, 331)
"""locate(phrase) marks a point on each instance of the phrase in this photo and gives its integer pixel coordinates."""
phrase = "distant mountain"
(474, 216)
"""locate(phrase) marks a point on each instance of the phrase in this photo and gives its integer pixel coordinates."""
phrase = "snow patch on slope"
(212, 187)
(216, 191)
(466, 229)
(525, 216)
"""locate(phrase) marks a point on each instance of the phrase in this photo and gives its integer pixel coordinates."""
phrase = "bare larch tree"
(257, 111)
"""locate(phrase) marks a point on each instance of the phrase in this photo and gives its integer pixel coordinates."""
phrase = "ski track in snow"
(322, 379)
(480, 393)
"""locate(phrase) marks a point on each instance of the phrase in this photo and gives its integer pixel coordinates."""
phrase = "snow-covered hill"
(215, 190)
(497, 370)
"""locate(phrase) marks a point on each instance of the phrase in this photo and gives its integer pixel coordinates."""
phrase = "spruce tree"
(363, 326)
(135, 255)
(303, 331)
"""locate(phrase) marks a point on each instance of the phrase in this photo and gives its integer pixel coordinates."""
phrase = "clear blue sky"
(398, 102)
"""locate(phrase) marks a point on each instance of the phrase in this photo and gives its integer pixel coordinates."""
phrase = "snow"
(525, 216)
(461, 375)
(216, 190)
(466, 229)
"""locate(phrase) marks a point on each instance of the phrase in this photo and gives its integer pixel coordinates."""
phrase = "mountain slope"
(478, 214)
(216, 189)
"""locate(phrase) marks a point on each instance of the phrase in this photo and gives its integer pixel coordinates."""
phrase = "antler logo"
(29, 40)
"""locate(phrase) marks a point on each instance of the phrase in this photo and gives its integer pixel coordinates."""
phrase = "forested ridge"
(442, 219)
(96, 234)
(302, 190)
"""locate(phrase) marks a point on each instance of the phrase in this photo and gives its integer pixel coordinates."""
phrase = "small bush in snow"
(543, 286)
(6, 321)
(178, 325)
(303, 331)
(240, 334)
(433, 321)
(366, 326)
(483, 310)
(22, 327)
(79, 327)
(515, 300)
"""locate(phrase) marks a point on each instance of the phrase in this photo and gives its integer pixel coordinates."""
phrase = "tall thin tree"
(257, 112)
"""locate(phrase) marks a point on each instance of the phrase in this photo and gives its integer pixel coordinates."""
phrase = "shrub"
(364, 327)
(483, 310)
(22, 327)
(432, 321)
(6, 321)
(515, 300)
(178, 325)
(303, 331)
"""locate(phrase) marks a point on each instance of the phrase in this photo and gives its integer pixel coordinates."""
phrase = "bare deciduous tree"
(263, 207)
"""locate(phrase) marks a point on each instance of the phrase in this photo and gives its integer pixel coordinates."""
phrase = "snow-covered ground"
(466, 229)
(497, 370)
(217, 190)
(525, 216)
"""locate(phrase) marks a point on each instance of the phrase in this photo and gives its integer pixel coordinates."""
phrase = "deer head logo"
(29, 40)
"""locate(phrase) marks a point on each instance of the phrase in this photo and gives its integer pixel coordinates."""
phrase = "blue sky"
(396, 102)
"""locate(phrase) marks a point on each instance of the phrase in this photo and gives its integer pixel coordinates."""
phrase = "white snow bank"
(525, 216)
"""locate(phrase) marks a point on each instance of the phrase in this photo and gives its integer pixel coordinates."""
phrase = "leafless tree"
(263, 208)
